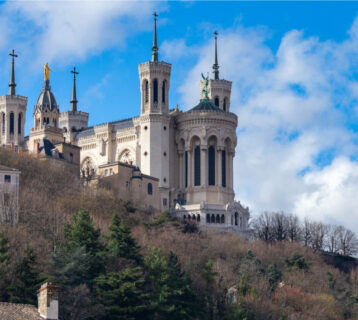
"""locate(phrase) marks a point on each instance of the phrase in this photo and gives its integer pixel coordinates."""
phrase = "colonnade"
(12, 127)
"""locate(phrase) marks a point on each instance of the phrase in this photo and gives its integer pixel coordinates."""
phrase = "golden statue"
(47, 71)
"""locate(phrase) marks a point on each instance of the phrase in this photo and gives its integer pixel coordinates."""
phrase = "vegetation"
(114, 262)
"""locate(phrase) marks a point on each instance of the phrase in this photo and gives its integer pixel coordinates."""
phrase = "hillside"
(273, 281)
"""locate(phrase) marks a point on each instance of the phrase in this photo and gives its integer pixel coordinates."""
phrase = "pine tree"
(121, 244)
(27, 280)
(123, 295)
(173, 296)
(4, 268)
(83, 234)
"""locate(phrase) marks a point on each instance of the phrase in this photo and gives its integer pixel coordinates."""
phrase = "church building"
(188, 153)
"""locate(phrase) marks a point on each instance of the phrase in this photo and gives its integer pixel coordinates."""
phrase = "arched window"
(224, 105)
(197, 166)
(211, 166)
(236, 218)
(164, 91)
(155, 90)
(3, 123)
(207, 218)
(150, 188)
(222, 218)
(146, 91)
(213, 218)
(186, 169)
(223, 168)
(184, 217)
(216, 101)
(189, 217)
(12, 123)
(19, 122)
(217, 218)
(198, 218)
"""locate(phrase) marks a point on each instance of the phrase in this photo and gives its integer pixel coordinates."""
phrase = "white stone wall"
(9, 196)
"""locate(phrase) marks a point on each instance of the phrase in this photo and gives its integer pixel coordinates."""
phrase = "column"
(203, 166)
(181, 169)
(230, 167)
(190, 167)
(219, 167)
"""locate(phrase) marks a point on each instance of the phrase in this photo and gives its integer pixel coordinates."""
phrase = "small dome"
(206, 104)
(46, 98)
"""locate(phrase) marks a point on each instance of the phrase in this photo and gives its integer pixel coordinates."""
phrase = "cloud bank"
(297, 109)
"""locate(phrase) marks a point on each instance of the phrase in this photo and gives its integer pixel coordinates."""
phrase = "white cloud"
(294, 146)
(72, 30)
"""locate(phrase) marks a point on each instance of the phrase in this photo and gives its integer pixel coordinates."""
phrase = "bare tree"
(332, 239)
(262, 227)
(279, 226)
(294, 230)
(348, 242)
(318, 234)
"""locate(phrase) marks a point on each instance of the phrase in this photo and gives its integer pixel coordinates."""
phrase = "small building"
(129, 183)
(9, 195)
(47, 306)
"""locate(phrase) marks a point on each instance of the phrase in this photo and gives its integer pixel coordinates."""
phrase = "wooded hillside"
(115, 262)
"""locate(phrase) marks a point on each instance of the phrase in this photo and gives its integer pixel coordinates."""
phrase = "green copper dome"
(206, 104)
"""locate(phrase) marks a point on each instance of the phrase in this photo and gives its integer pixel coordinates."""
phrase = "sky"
(294, 68)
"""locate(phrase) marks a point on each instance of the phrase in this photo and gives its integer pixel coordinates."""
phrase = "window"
(3, 123)
(224, 105)
(110, 171)
(163, 91)
(216, 101)
(71, 156)
(150, 188)
(217, 218)
(165, 202)
(207, 218)
(186, 169)
(236, 216)
(222, 218)
(223, 167)
(106, 172)
(7, 179)
(198, 218)
(12, 123)
(212, 218)
(197, 166)
(127, 184)
(146, 91)
(19, 121)
(211, 166)
(155, 90)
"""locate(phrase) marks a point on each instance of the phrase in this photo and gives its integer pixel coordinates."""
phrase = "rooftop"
(15, 311)
(7, 168)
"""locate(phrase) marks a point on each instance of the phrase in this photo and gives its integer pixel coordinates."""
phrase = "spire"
(12, 84)
(216, 65)
(74, 98)
(155, 47)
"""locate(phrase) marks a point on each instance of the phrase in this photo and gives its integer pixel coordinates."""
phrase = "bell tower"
(219, 89)
(154, 79)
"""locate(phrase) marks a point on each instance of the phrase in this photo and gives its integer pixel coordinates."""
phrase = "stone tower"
(46, 116)
(73, 121)
(12, 113)
(219, 89)
(48, 301)
(154, 79)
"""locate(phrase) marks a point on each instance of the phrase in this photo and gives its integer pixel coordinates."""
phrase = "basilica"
(185, 159)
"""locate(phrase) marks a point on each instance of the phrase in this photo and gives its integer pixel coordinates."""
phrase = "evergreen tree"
(4, 268)
(121, 244)
(83, 234)
(123, 295)
(273, 274)
(27, 280)
(173, 296)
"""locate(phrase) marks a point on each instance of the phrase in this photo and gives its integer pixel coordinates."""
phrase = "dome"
(206, 104)
(46, 98)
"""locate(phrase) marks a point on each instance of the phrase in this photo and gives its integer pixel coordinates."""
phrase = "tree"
(121, 244)
(123, 295)
(4, 268)
(279, 226)
(332, 242)
(172, 296)
(262, 227)
(294, 230)
(348, 242)
(83, 234)
(27, 279)
(273, 274)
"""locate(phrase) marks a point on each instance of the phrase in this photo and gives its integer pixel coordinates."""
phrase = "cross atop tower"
(155, 46)
(12, 84)
(74, 97)
(216, 65)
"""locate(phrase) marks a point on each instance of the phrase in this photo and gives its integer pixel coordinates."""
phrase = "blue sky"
(294, 68)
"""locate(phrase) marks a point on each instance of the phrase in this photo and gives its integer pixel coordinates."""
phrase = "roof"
(15, 311)
(47, 148)
(206, 104)
(7, 168)
(46, 98)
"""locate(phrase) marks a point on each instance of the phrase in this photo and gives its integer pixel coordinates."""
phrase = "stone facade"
(9, 195)
(188, 155)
